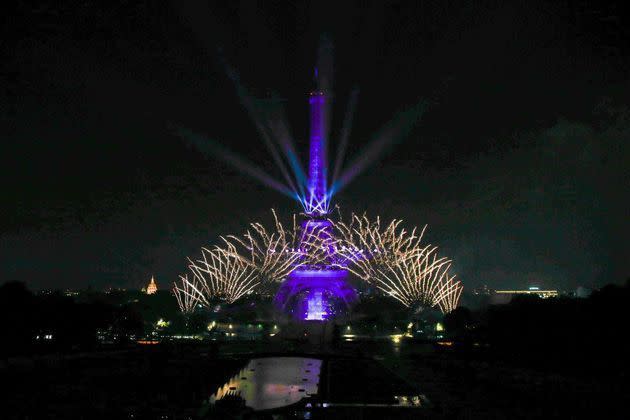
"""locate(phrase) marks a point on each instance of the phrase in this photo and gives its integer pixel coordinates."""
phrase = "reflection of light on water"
(273, 382)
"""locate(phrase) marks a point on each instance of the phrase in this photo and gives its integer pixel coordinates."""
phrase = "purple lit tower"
(317, 194)
(317, 292)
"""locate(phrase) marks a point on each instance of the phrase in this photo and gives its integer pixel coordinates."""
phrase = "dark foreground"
(358, 380)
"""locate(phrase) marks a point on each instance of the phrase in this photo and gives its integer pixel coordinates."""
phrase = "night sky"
(519, 164)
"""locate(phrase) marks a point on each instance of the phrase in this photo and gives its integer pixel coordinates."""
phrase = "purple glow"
(317, 292)
(317, 196)
(322, 227)
(315, 307)
(313, 223)
(315, 295)
(317, 287)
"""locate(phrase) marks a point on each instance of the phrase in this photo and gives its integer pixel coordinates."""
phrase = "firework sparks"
(364, 246)
(423, 281)
(394, 260)
(390, 257)
(272, 254)
(259, 258)
(187, 294)
(219, 274)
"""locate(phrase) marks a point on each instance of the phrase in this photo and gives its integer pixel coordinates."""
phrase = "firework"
(394, 260)
(364, 246)
(187, 294)
(424, 281)
(391, 258)
(219, 274)
(316, 254)
(271, 254)
(451, 293)
(274, 254)
(257, 259)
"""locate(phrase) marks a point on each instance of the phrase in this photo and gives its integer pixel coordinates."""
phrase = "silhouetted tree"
(17, 314)
(458, 322)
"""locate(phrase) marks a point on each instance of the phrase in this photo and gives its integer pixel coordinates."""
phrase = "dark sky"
(519, 164)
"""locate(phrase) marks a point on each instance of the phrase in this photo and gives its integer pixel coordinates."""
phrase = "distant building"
(152, 287)
(505, 296)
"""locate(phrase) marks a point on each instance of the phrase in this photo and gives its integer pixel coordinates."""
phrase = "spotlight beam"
(282, 134)
(243, 165)
(389, 134)
(346, 128)
(253, 110)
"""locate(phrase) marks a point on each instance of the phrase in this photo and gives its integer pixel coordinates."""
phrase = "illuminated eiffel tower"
(321, 291)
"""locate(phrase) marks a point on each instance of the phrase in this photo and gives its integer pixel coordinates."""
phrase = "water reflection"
(273, 382)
